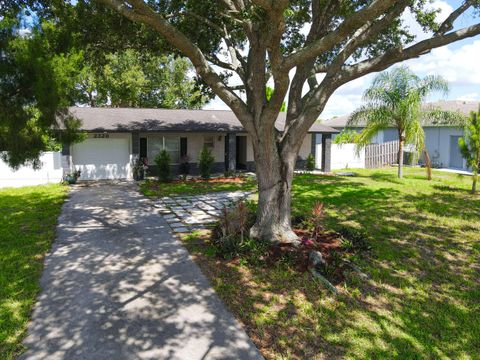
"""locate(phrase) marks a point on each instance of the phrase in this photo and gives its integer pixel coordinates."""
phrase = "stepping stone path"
(188, 213)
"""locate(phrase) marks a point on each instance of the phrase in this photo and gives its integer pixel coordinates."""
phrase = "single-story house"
(441, 139)
(119, 136)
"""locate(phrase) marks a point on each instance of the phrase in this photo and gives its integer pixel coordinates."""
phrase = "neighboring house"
(441, 140)
(119, 136)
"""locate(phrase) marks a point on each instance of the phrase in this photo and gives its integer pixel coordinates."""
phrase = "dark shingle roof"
(134, 119)
(463, 107)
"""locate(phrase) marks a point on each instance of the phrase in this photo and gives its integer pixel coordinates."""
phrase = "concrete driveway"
(118, 285)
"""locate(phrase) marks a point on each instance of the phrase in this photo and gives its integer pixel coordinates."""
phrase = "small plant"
(310, 162)
(139, 169)
(317, 219)
(163, 161)
(71, 178)
(205, 162)
(184, 166)
(354, 238)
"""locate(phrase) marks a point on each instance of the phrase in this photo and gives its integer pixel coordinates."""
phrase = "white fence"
(342, 156)
(51, 171)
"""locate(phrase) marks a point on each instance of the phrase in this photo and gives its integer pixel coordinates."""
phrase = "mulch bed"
(329, 244)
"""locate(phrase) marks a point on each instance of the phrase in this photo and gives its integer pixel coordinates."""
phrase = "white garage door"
(102, 158)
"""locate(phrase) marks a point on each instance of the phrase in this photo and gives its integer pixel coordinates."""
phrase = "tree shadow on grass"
(420, 302)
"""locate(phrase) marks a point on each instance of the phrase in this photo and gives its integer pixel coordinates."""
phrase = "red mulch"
(236, 180)
(326, 243)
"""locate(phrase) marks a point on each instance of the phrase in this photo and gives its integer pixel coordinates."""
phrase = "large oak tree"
(263, 40)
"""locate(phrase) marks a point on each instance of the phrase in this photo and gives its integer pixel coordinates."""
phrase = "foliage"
(395, 100)
(346, 136)
(310, 165)
(164, 162)
(422, 246)
(205, 163)
(32, 92)
(316, 216)
(28, 218)
(229, 235)
(470, 146)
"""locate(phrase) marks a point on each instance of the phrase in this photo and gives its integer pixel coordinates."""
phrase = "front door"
(456, 160)
(241, 152)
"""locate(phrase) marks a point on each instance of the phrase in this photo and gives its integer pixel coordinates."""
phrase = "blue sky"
(458, 63)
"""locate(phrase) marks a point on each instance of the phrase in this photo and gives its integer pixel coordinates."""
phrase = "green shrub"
(310, 162)
(163, 162)
(205, 162)
(346, 136)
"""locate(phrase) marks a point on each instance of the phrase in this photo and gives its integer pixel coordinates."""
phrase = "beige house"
(117, 137)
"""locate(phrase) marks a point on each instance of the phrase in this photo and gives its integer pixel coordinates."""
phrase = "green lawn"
(28, 217)
(155, 188)
(422, 300)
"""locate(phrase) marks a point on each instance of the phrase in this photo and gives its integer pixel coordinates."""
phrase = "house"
(441, 140)
(116, 137)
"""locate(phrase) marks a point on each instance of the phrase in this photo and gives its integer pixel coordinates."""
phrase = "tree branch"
(350, 25)
(398, 54)
(139, 11)
(447, 25)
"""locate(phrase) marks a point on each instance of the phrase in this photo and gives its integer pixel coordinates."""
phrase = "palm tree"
(395, 100)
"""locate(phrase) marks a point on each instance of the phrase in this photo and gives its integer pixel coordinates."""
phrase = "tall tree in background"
(262, 40)
(60, 57)
(470, 146)
(395, 100)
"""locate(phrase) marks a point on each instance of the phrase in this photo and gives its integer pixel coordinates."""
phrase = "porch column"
(231, 155)
(313, 147)
(326, 152)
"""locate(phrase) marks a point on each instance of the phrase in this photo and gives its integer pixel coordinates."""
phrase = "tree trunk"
(474, 183)
(275, 176)
(400, 158)
(428, 164)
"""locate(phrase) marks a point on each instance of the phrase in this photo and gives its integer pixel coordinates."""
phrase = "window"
(157, 143)
(209, 142)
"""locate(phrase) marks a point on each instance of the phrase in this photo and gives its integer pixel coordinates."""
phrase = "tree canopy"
(304, 49)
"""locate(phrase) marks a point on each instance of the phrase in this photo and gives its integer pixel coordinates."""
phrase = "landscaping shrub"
(310, 162)
(229, 236)
(163, 162)
(205, 163)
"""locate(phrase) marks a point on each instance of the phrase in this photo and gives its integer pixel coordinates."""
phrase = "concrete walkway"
(188, 213)
(118, 285)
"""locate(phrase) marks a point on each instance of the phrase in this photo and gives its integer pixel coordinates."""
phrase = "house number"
(101, 136)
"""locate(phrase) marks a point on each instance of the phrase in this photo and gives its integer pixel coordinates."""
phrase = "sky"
(458, 63)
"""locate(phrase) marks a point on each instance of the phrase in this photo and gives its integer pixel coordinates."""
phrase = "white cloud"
(470, 97)
(410, 21)
(460, 66)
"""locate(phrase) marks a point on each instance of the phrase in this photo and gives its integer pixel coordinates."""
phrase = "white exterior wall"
(50, 172)
(437, 140)
(195, 143)
(345, 156)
